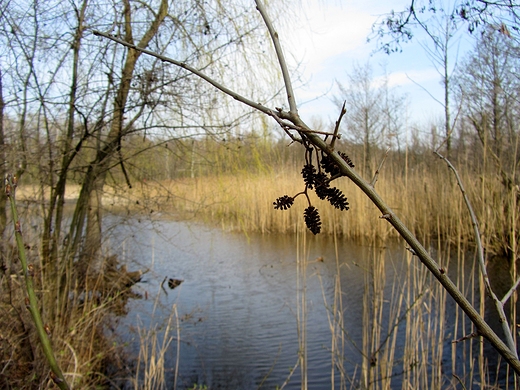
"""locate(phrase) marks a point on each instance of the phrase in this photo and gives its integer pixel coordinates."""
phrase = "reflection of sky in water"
(238, 301)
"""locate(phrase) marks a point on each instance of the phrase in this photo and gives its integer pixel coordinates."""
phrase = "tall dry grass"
(80, 335)
(154, 344)
(428, 201)
(234, 183)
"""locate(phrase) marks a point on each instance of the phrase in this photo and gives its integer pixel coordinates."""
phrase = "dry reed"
(429, 202)
(153, 347)
(79, 335)
(406, 328)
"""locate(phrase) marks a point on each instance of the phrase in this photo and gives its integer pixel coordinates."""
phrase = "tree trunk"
(3, 196)
(90, 206)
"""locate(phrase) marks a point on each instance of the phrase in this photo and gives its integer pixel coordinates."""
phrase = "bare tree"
(396, 28)
(72, 103)
(374, 112)
(489, 90)
(442, 31)
(89, 96)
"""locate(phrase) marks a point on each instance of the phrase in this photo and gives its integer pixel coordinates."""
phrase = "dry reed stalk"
(78, 336)
(424, 330)
(31, 301)
(301, 305)
(153, 348)
(417, 304)
(338, 337)
(428, 202)
(335, 315)
(239, 213)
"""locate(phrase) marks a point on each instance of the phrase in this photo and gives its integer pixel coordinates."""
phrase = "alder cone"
(312, 219)
(308, 173)
(337, 199)
(329, 165)
(283, 202)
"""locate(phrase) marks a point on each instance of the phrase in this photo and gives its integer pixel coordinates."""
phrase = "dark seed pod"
(283, 203)
(312, 219)
(347, 159)
(308, 173)
(329, 165)
(322, 191)
(321, 185)
(337, 199)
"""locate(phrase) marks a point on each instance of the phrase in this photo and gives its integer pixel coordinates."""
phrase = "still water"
(238, 305)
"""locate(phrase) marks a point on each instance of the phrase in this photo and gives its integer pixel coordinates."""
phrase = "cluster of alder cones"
(318, 180)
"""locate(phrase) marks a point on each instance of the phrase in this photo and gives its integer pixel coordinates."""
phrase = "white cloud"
(331, 35)
(328, 32)
(324, 29)
(416, 77)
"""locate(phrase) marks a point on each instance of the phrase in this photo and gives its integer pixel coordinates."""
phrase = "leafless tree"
(398, 27)
(76, 100)
(489, 88)
(374, 112)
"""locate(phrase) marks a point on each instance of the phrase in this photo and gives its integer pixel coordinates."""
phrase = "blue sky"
(332, 35)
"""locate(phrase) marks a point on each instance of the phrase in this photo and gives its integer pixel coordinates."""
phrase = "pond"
(247, 302)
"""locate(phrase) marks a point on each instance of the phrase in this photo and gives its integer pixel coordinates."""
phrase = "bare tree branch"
(480, 256)
(378, 170)
(306, 132)
(281, 59)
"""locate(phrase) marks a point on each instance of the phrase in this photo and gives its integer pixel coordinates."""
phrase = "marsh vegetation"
(93, 127)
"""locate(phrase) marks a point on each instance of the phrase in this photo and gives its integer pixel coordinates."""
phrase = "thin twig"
(378, 170)
(281, 59)
(510, 292)
(480, 256)
(291, 372)
(307, 131)
(189, 68)
(271, 368)
(286, 127)
(338, 122)
(162, 285)
(459, 380)
(467, 337)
